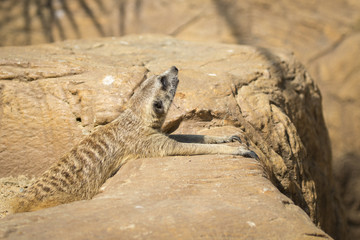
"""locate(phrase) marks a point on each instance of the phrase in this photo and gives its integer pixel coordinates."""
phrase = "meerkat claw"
(245, 152)
(251, 154)
(235, 138)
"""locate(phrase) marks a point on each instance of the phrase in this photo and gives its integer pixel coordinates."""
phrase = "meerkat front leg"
(180, 148)
(168, 146)
(189, 138)
(212, 140)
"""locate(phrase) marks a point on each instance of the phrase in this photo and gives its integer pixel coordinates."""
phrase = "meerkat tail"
(18, 204)
(25, 204)
(29, 202)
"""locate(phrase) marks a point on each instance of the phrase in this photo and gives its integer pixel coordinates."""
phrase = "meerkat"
(136, 133)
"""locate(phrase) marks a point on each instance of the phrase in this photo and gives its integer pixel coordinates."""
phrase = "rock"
(322, 34)
(266, 95)
(217, 197)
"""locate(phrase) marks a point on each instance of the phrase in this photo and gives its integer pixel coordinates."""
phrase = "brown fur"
(134, 134)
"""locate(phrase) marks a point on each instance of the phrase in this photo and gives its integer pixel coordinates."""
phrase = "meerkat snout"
(170, 76)
(174, 70)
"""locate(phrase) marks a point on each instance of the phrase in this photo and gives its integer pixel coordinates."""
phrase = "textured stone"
(322, 33)
(267, 95)
(203, 197)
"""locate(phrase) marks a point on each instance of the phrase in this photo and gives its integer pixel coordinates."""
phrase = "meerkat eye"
(158, 106)
(164, 83)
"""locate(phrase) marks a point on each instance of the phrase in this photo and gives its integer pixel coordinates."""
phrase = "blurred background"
(323, 34)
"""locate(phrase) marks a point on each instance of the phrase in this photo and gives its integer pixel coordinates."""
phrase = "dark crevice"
(286, 202)
(317, 235)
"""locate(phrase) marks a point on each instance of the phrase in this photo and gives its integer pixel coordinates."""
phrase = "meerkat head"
(152, 100)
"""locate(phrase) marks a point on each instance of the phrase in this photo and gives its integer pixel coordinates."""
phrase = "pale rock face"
(52, 95)
(197, 197)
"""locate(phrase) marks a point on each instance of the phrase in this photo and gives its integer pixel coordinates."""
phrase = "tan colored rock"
(319, 32)
(267, 95)
(207, 197)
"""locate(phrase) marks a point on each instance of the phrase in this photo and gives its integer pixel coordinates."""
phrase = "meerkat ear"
(158, 107)
(164, 82)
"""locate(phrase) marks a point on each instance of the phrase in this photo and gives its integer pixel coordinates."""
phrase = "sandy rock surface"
(52, 95)
(205, 197)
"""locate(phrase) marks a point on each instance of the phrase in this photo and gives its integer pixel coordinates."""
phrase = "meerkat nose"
(174, 69)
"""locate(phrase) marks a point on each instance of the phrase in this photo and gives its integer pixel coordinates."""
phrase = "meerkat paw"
(234, 138)
(223, 139)
(227, 139)
(242, 151)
